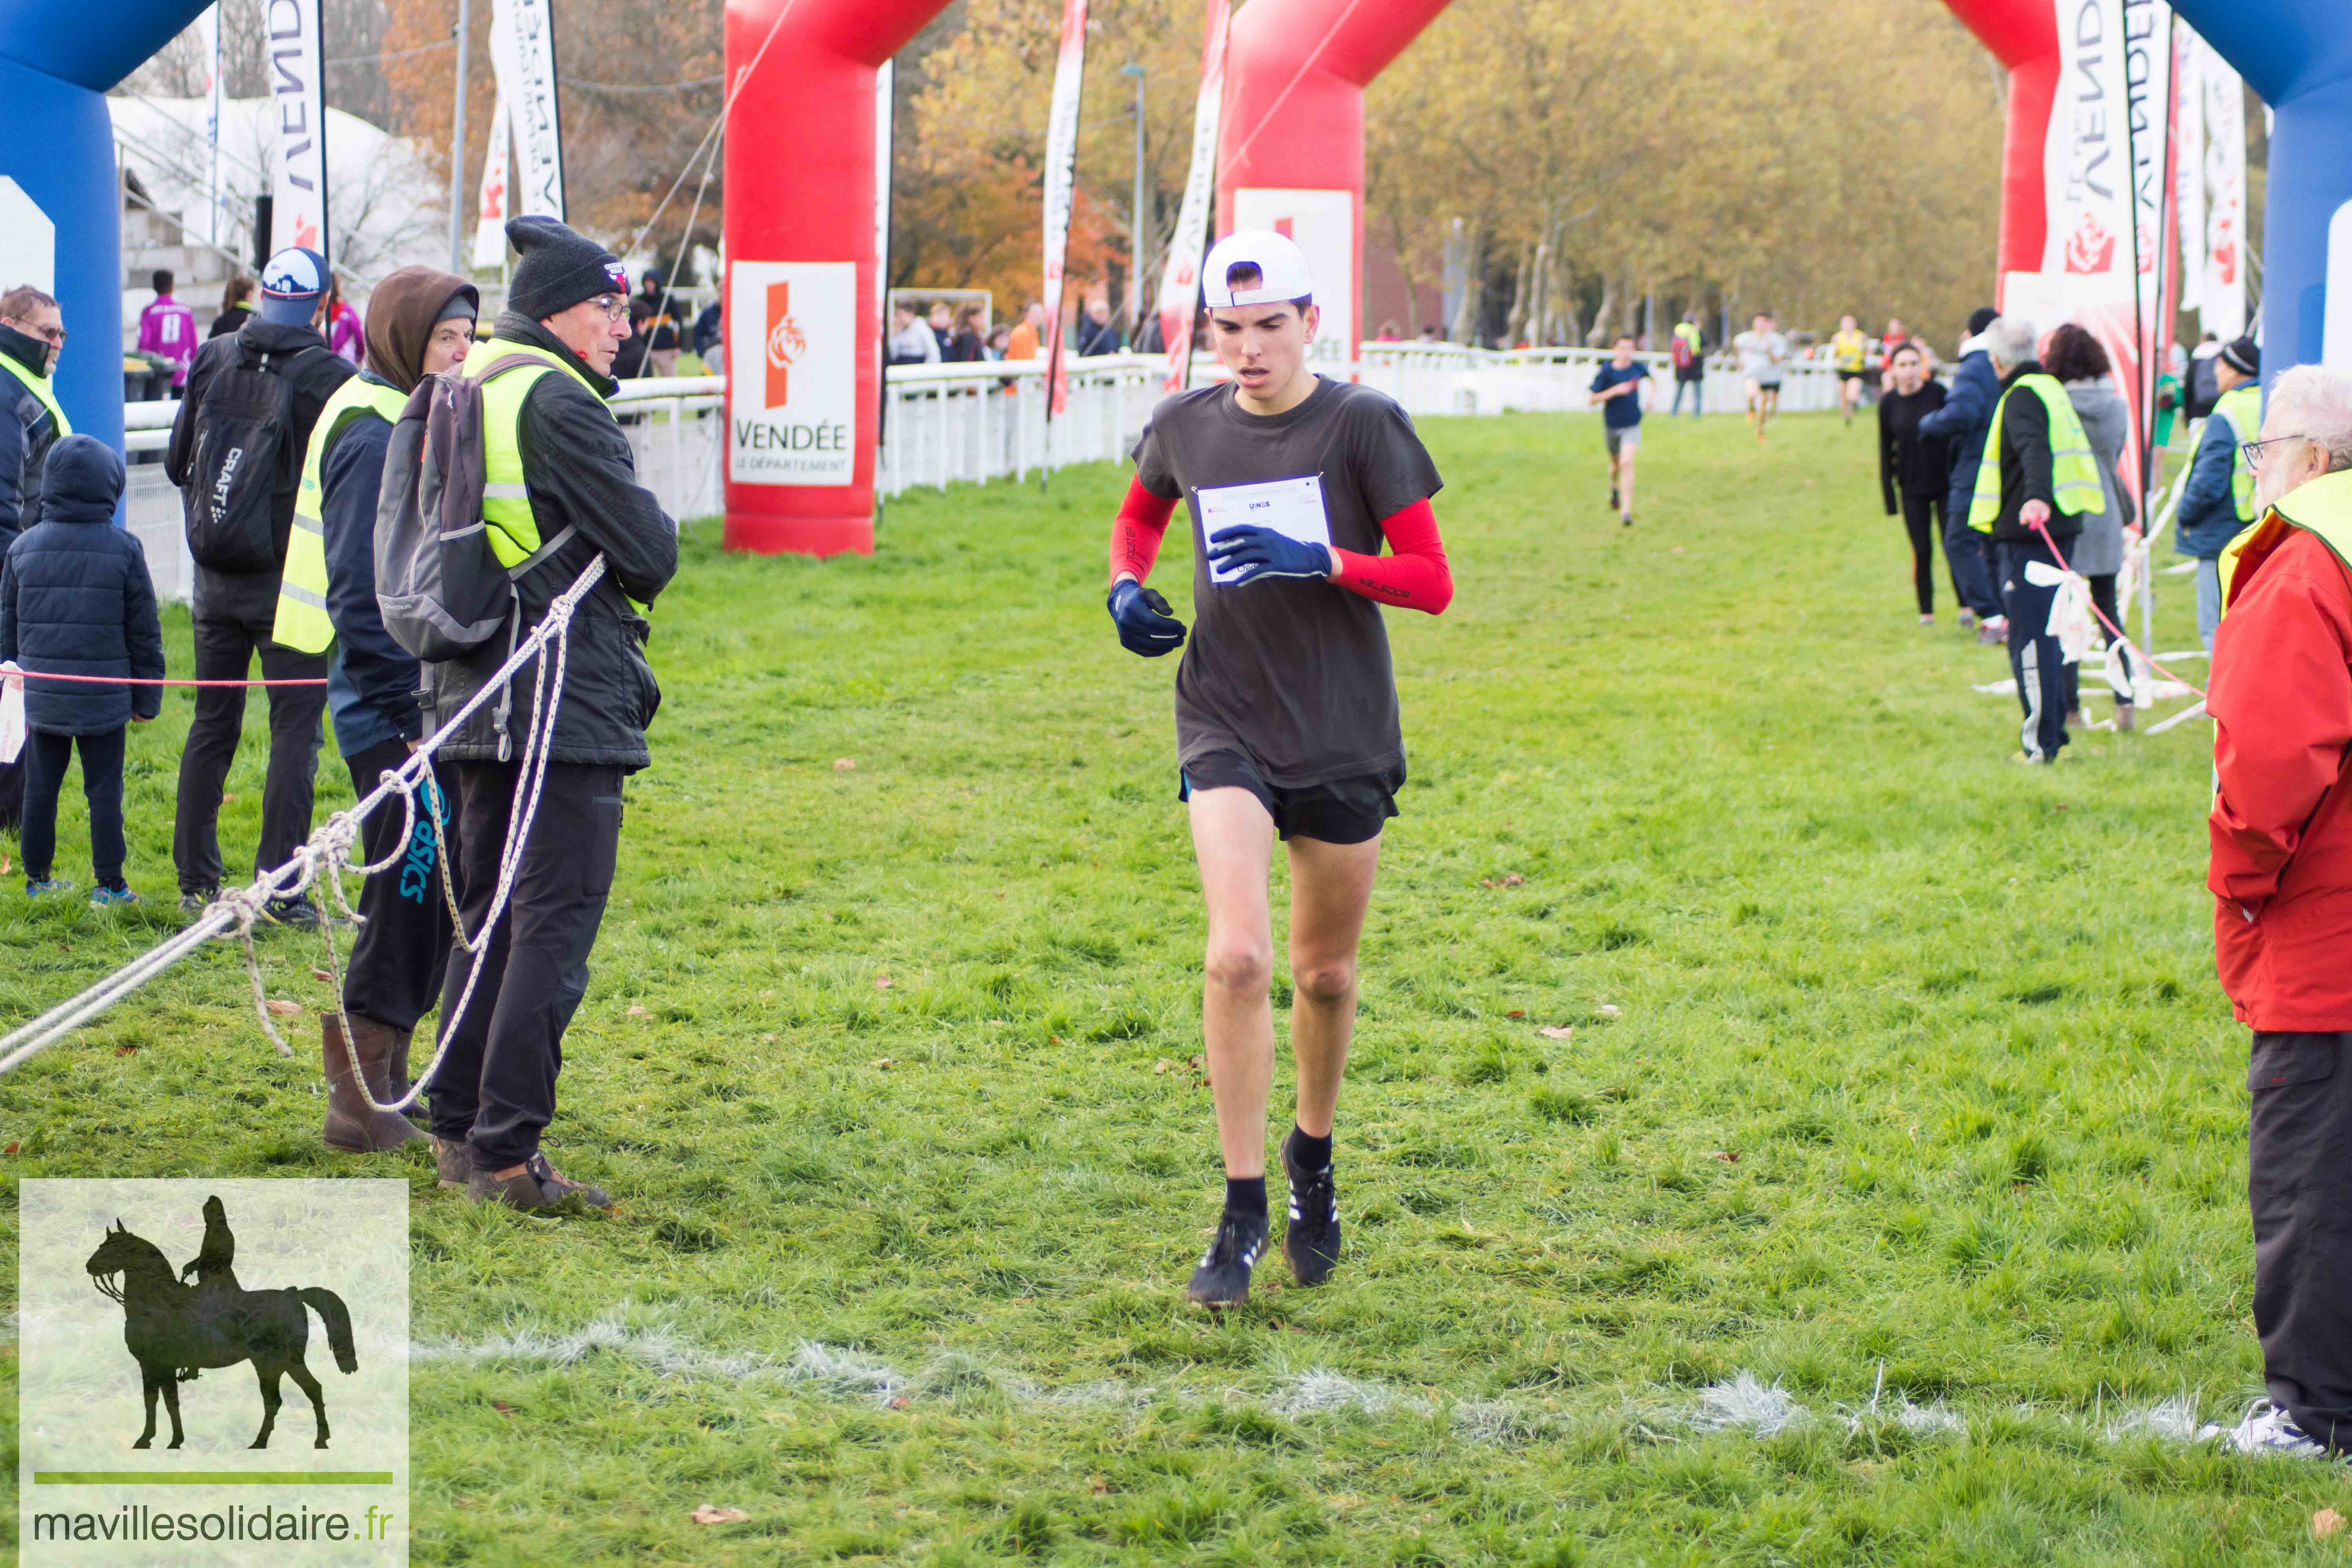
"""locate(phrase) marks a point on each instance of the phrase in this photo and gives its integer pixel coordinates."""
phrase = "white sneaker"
(2268, 1430)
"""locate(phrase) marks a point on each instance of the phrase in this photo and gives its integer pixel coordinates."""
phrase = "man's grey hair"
(2009, 339)
(2315, 404)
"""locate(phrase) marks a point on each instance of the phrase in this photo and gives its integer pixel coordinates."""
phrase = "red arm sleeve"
(1134, 537)
(1413, 576)
(2282, 704)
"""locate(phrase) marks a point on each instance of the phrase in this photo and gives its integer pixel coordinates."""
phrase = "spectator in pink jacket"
(346, 334)
(169, 329)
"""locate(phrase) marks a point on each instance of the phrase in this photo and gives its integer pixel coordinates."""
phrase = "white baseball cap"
(1281, 269)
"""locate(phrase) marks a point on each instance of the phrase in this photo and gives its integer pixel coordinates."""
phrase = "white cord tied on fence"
(325, 857)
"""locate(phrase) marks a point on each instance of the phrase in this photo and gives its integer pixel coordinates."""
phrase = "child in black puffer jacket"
(76, 599)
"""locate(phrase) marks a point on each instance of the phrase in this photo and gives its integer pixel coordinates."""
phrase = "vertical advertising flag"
(2188, 63)
(2103, 165)
(297, 123)
(2224, 234)
(496, 204)
(1061, 182)
(208, 45)
(886, 103)
(1180, 285)
(522, 50)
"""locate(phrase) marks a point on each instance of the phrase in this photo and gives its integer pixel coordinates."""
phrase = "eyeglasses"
(2253, 450)
(614, 306)
(53, 336)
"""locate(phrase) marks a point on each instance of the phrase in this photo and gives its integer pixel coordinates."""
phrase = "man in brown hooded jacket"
(419, 322)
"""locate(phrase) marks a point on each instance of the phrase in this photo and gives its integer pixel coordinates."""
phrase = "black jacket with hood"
(27, 431)
(578, 472)
(251, 597)
(75, 599)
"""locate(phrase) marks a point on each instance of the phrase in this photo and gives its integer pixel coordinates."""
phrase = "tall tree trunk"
(1605, 318)
(1522, 295)
(1463, 328)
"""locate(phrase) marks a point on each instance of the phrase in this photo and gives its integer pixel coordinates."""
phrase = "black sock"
(1246, 1195)
(1310, 1153)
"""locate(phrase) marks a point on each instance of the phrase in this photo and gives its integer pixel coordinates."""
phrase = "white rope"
(233, 914)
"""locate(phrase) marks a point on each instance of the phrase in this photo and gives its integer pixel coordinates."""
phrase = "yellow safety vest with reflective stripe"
(2243, 407)
(302, 621)
(39, 385)
(505, 498)
(2074, 470)
(2322, 508)
(506, 503)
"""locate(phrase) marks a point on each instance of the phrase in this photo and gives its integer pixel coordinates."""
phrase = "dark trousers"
(224, 650)
(47, 756)
(2299, 1180)
(2034, 657)
(1923, 518)
(12, 791)
(1697, 390)
(402, 950)
(1969, 556)
(496, 1086)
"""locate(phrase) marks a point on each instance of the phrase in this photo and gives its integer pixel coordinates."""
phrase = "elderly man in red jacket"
(2282, 881)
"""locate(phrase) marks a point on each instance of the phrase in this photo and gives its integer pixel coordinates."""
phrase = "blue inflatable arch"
(56, 61)
(2297, 54)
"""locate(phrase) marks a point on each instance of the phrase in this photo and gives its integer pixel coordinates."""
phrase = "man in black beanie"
(562, 492)
(1965, 421)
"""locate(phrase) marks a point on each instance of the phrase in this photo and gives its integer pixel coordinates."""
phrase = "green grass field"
(1898, 1081)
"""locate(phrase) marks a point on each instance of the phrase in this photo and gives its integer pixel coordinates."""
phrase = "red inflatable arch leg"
(1291, 143)
(803, 289)
(2023, 36)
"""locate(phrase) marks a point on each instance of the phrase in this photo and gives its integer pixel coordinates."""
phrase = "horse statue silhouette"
(174, 1329)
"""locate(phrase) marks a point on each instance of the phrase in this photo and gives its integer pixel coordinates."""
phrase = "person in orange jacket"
(2281, 875)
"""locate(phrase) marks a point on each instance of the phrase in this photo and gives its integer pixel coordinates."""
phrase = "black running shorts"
(1342, 811)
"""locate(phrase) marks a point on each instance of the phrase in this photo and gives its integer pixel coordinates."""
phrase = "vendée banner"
(1180, 285)
(523, 51)
(297, 124)
(2189, 60)
(2221, 237)
(2106, 154)
(1060, 182)
(496, 204)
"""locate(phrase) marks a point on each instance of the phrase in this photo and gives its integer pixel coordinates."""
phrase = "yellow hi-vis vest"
(2322, 508)
(506, 503)
(39, 385)
(2074, 470)
(2243, 407)
(302, 621)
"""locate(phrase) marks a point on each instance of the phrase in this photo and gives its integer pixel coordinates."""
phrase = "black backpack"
(246, 465)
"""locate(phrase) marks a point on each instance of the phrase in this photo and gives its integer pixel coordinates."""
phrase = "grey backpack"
(442, 589)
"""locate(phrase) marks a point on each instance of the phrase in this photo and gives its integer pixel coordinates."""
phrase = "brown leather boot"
(400, 1080)
(352, 1125)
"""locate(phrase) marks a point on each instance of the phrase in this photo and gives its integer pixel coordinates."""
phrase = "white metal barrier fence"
(977, 422)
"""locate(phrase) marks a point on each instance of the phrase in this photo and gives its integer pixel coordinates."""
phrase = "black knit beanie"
(2244, 356)
(559, 267)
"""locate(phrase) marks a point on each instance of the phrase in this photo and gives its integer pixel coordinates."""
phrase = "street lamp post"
(1140, 221)
(457, 156)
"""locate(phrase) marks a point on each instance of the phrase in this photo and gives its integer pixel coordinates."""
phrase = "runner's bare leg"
(1625, 480)
(1232, 839)
(1330, 889)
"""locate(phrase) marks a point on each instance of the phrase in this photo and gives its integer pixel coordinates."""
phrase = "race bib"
(1293, 507)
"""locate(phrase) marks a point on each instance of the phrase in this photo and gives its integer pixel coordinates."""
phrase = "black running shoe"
(1223, 1279)
(1612, 497)
(1311, 1244)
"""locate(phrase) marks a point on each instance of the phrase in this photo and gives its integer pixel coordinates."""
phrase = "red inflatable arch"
(803, 354)
(2023, 36)
(1290, 152)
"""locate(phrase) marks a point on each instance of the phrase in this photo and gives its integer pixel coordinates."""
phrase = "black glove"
(1145, 624)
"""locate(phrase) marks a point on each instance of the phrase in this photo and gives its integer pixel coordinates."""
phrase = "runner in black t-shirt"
(1617, 387)
(1286, 708)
